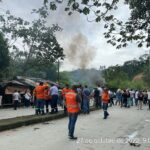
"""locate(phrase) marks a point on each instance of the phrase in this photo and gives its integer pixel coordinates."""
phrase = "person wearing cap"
(105, 100)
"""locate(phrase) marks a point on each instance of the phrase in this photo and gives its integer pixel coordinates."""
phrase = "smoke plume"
(79, 52)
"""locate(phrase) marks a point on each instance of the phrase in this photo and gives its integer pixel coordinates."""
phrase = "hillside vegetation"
(132, 74)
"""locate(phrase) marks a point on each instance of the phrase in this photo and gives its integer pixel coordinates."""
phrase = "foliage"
(118, 32)
(64, 78)
(4, 55)
(38, 40)
(122, 76)
(48, 71)
(147, 75)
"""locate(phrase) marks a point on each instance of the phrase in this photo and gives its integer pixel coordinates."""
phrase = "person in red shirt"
(105, 100)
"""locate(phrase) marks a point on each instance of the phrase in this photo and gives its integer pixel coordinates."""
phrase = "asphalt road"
(124, 126)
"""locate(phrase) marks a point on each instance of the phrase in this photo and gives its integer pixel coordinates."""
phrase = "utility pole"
(58, 76)
(149, 61)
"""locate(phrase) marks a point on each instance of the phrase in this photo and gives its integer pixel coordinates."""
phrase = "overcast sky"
(104, 54)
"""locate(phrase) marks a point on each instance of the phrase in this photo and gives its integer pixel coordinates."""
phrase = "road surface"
(22, 111)
(93, 132)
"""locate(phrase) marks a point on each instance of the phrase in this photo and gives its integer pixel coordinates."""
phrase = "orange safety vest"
(105, 97)
(71, 102)
(46, 95)
(39, 92)
(65, 91)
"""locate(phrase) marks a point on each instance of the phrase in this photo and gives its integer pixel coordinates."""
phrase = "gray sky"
(105, 54)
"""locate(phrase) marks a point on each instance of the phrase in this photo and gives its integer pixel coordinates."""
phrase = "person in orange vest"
(39, 93)
(73, 107)
(47, 98)
(105, 100)
(64, 92)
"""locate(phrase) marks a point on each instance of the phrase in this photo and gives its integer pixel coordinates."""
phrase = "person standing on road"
(27, 98)
(140, 100)
(40, 102)
(65, 90)
(105, 100)
(1, 95)
(132, 95)
(111, 95)
(54, 93)
(128, 98)
(86, 100)
(47, 98)
(148, 96)
(124, 98)
(136, 97)
(73, 101)
(96, 95)
(79, 92)
(16, 98)
(145, 97)
(118, 97)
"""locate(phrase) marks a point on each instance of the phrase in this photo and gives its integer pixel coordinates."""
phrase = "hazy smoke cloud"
(90, 77)
(79, 52)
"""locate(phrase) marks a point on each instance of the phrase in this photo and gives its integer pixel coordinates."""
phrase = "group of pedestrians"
(45, 95)
(85, 95)
(103, 96)
(127, 98)
(25, 99)
(77, 99)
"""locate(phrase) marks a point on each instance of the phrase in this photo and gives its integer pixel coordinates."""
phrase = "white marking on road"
(133, 135)
(147, 120)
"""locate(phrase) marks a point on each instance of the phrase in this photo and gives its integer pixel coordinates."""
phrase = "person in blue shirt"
(86, 100)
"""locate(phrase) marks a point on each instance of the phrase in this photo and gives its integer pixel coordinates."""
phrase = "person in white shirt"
(132, 93)
(136, 97)
(148, 93)
(27, 98)
(54, 93)
(16, 98)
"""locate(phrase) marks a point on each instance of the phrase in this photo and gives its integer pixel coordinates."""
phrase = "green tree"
(4, 55)
(132, 74)
(147, 75)
(118, 32)
(64, 78)
(39, 45)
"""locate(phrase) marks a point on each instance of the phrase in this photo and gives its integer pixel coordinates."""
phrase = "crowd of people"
(77, 99)
(127, 98)
(45, 96)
